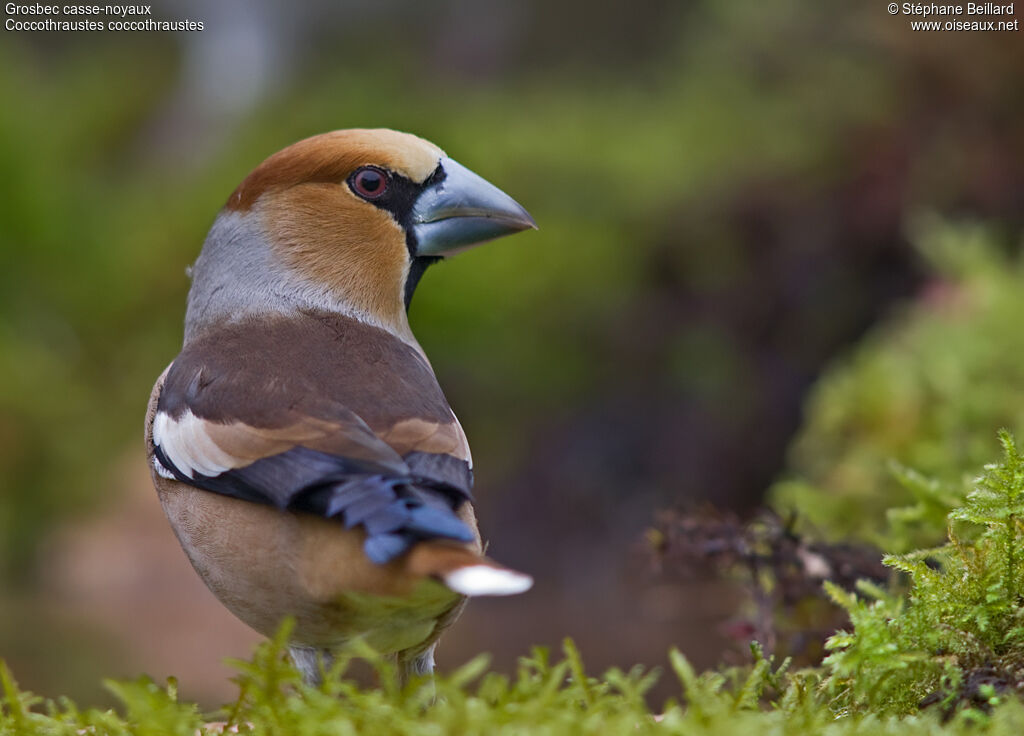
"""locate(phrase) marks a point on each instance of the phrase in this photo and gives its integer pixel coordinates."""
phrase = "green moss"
(862, 695)
(926, 390)
(962, 625)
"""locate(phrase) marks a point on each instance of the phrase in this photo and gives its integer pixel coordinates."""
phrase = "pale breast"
(264, 564)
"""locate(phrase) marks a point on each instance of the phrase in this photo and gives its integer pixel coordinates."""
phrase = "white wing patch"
(185, 442)
(159, 469)
(463, 450)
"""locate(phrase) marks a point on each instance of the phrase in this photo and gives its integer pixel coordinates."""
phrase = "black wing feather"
(395, 510)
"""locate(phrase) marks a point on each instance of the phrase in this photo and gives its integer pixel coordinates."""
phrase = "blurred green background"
(728, 194)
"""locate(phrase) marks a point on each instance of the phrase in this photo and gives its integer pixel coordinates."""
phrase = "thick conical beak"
(462, 210)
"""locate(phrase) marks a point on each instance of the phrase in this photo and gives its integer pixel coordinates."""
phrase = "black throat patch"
(416, 270)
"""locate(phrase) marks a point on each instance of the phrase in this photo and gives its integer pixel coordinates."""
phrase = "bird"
(300, 444)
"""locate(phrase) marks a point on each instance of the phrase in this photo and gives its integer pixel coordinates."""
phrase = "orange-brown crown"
(331, 157)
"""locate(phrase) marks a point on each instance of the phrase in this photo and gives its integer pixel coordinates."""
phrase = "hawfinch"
(300, 444)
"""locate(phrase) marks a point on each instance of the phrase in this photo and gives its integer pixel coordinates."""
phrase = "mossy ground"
(543, 698)
(946, 655)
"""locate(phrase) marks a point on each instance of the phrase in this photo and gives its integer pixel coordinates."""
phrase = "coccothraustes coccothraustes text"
(300, 444)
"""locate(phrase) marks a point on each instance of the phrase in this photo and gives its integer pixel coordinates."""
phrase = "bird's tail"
(465, 571)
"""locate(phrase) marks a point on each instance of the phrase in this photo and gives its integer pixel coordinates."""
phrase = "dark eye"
(369, 182)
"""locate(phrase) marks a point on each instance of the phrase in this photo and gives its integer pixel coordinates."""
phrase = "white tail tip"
(487, 580)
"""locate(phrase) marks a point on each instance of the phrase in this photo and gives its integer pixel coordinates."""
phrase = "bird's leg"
(416, 665)
(421, 664)
(311, 663)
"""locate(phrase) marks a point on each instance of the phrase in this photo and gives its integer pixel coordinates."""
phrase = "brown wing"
(320, 413)
(317, 378)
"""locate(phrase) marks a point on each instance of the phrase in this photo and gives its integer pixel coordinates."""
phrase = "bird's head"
(352, 217)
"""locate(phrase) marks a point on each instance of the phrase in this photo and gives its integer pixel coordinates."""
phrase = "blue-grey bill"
(463, 210)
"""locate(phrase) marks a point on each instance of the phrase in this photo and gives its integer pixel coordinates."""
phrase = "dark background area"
(723, 192)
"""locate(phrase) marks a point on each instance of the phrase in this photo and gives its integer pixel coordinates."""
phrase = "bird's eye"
(369, 182)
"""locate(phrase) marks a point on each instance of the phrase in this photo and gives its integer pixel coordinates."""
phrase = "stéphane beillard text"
(926, 9)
